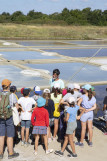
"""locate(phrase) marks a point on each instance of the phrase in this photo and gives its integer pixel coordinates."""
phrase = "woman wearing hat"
(87, 101)
(40, 124)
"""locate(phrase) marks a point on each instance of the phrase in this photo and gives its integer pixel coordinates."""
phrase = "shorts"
(7, 127)
(105, 115)
(39, 130)
(26, 123)
(71, 126)
(56, 117)
(87, 116)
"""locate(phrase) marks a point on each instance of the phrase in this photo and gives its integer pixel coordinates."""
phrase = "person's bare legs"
(45, 141)
(10, 145)
(1, 144)
(65, 143)
(48, 132)
(83, 125)
(22, 133)
(74, 136)
(70, 138)
(27, 135)
(55, 127)
(90, 124)
(36, 142)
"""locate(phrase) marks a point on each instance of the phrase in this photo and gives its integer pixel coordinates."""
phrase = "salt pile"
(31, 73)
(103, 67)
(49, 53)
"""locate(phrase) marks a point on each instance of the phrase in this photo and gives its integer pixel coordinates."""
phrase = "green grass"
(18, 31)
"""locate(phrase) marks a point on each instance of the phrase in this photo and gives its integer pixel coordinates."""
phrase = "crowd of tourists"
(48, 115)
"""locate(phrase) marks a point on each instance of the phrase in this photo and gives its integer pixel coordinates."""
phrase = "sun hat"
(46, 91)
(77, 86)
(6, 82)
(71, 99)
(64, 92)
(70, 86)
(41, 102)
(37, 90)
(87, 86)
(56, 85)
(26, 91)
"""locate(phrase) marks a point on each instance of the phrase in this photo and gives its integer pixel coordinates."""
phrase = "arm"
(63, 102)
(91, 109)
(80, 108)
(104, 107)
(67, 117)
(32, 118)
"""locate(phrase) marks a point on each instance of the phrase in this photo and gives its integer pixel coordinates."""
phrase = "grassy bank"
(18, 31)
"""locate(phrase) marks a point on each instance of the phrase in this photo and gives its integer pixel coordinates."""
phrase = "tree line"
(86, 16)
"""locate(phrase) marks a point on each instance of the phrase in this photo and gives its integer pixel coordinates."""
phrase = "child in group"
(56, 97)
(70, 118)
(26, 103)
(40, 124)
(50, 107)
(37, 93)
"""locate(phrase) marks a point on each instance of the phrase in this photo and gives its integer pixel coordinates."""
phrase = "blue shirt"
(86, 103)
(72, 113)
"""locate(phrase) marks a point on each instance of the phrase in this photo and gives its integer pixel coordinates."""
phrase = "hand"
(78, 117)
(86, 110)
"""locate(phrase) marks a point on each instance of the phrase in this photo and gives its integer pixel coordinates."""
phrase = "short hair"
(56, 71)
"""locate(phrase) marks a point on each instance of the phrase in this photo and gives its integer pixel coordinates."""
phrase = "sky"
(49, 6)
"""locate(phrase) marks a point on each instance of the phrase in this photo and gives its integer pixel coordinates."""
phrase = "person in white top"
(26, 103)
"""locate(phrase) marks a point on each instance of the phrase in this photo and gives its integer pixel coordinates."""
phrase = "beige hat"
(6, 82)
(46, 91)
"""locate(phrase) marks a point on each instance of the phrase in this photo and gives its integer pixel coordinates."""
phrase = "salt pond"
(89, 73)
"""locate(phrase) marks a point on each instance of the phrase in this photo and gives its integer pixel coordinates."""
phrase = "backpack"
(5, 110)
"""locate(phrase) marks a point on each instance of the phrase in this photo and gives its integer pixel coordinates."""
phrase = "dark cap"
(13, 88)
(26, 91)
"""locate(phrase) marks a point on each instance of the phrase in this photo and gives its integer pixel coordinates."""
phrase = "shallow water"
(79, 52)
(24, 55)
(88, 42)
(14, 74)
(89, 73)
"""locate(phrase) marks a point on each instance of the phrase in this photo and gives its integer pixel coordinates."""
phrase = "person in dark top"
(50, 108)
(105, 112)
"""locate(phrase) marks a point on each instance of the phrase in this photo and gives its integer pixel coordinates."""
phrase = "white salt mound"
(30, 73)
(103, 67)
(49, 54)
(6, 43)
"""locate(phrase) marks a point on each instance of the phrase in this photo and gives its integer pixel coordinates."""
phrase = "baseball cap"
(87, 86)
(77, 86)
(22, 90)
(71, 99)
(64, 92)
(46, 91)
(37, 90)
(41, 102)
(70, 86)
(13, 88)
(26, 91)
(6, 82)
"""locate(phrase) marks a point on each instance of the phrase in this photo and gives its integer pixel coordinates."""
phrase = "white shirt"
(26, 103)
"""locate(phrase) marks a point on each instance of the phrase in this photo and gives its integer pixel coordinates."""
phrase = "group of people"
(48, 113)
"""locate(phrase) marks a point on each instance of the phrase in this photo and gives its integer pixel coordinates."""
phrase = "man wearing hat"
(6, 121)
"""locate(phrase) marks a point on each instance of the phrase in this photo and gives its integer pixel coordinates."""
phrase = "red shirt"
(40, 117)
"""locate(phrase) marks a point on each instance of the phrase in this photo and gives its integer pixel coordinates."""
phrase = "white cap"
(71, 99)
(70, 86)
(56, 85)
(46, 91)
(77, 86)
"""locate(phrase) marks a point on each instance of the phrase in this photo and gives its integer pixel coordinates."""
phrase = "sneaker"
(59, 153)
(35, 153)
(49, 140)
(1, 156)
(79, 144)
(22, 144)
(54, 139)
(49, 151)
(72, 155)
(90, 144)
(26, 144)
(14, 155)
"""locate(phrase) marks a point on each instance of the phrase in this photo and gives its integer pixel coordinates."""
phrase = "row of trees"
(66, 17)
